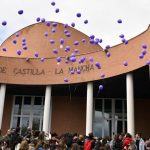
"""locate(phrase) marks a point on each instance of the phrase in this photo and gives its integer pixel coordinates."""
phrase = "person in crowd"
(139, 142)
(127, 141)
(147, 144)
(80, 141)
(75, 146)
(24, 145)
(89, 142)
(117, 143)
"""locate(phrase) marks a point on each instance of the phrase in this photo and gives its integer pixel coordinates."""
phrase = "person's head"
(75, 146)
(91, 135)
(24, 145)
(138, 135)
(81, 137)
(8, 132)
(128, 135)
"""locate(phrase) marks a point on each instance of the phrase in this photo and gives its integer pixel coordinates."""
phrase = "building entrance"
(109, 116)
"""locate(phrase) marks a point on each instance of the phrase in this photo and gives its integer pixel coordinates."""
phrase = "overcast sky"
(101, 14)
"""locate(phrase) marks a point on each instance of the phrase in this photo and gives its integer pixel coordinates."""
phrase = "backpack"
(88, 144)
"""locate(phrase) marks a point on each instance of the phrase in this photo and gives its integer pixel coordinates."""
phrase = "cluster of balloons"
(72, 58)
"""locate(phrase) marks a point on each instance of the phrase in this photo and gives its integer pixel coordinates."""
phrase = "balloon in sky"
(57, 10)
(97, 64)
(144, 46)
(66, 80)
(121, 35)
(119, 21)
(102, 76)
(58, 59)
(42, 59)
(17, 34)
(91, 59)
(78, 71)
(108, 54)
(78, 14)
(20, 12)
(73, 24)
(53, 3)
(4, 23)
(85, 21)
(38, 19)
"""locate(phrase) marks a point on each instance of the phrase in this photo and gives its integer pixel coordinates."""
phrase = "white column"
(2, 100)
(47, 110)
(130, 104)
(89, 108)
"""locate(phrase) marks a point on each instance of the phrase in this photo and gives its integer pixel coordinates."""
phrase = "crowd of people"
(36, 140)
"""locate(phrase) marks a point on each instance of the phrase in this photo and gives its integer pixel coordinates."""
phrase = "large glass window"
(27, 112)
(109, 116)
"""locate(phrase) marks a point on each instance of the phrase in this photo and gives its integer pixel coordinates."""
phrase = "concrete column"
(89, 108)
(2, 100)
(47, 110)
(130, 104)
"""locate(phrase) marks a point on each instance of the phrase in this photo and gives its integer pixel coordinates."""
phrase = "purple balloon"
(38, 19)
(102, 76)
(144, 52)
(76, 43)
(19, 52)
(62, 41)
(83, 40)
(55, 51)
(100, 40)
(78, 14)
(73, 59)
(68, 34)
(42, 59)
(65, 25)
(141, 56)
(126, 42)
(92, 36)
(25, 47)
(48, 23)
(4, 23)
(123, 40)
(46, 34)
(67, 48)
(73, 55)
(52, 41)
(144, 46)
(53, 30)
(121, 35)
(17, 34)
(54, 24)
(65, 31)
(20, 12)
(57, 10)
(66, 80)
(82, 59)
(53, 3)
(147, 62)
(73, 24)
(66, 61)
(72, 71)
(101, 87)
(119, 21)
(23, 39)
(107, 47)
(42, 20)
(58, 59)
(78, 71)
(108, 54)
(97, 64)
(85, 21)
(23, 44)
(76, 50)
(4, 49)
(91, 59)
(36, 54)
(125, 63)
(15, 41)
(92, 41)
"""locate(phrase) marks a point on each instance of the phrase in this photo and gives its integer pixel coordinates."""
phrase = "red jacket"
(126, 142)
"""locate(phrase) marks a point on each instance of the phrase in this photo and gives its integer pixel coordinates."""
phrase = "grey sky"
(102, 16)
